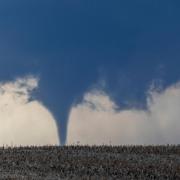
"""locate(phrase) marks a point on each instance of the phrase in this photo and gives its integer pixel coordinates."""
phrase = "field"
(96, 162)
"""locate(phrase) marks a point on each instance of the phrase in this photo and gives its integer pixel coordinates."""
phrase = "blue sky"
(73, 46)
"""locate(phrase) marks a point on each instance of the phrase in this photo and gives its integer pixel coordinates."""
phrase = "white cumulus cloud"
(24, 122)
(98, 121)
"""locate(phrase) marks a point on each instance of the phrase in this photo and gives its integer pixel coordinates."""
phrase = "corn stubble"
(95, 162)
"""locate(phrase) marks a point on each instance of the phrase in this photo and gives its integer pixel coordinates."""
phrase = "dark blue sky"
(73, 44)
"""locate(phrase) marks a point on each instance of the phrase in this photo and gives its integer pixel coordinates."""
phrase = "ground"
(95, 162)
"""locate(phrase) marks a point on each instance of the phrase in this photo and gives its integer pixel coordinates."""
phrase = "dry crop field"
(85, 162)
